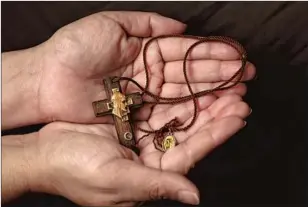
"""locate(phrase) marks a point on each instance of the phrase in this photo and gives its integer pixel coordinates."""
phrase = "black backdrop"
(265, 162)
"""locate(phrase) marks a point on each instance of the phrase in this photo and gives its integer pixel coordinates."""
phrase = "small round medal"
(128, 136)
(168, 142)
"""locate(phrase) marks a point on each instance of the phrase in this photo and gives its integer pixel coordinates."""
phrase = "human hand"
(89, 160)
(88, 49)
(80, 54)
(85, 164)
(218, 119)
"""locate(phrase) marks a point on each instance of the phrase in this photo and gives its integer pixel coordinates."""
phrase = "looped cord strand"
(174, 125)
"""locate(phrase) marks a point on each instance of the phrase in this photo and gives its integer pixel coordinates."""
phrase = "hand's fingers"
(239, 109)
(140, 183)
(240, 90)
(208, 105)
(173, 90)
(141, 24)
(223, 107)
(199, 71)
(222, 103)
(124, 204)
(183, 157)
(145, 24)
(212, 112)
(174, 49)
(177, 90)
(182, 112)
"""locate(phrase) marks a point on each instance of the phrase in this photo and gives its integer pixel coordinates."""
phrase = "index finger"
(174, 49)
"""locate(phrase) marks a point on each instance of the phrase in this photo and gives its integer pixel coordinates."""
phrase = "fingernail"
(256, 77)
(250, 111)
(245, 122)
(188, 197)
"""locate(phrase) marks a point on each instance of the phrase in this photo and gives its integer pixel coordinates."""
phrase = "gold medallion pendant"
(168, 142)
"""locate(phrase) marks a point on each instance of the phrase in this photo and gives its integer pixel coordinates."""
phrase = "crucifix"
(119, 106)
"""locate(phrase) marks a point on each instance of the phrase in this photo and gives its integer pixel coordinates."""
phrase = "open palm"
(110, 44)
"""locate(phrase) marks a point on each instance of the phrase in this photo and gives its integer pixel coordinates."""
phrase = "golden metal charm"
(119, 104)
(168, 142)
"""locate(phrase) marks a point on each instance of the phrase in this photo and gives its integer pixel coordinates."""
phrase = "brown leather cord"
(174, 125)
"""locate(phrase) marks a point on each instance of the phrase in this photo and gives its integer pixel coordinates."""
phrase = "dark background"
(265, 162)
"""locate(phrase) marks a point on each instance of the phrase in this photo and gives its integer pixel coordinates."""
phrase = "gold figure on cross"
(120, 104)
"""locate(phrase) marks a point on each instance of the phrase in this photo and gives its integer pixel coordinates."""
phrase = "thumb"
(140, 183)
(145, 24)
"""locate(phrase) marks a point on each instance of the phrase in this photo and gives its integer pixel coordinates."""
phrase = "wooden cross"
(120, 106)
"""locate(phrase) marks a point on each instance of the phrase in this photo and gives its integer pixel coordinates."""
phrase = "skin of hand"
(86, 165)
(60, 78)
(75, 59)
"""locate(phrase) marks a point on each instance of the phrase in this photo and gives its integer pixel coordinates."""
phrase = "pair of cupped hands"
(77, 155)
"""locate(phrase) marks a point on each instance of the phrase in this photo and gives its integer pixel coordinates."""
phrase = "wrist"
(20, 165)
(22, 71)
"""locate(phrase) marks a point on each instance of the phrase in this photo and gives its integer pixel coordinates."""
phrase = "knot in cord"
(169, 128)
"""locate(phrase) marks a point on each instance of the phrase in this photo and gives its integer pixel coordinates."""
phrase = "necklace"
(164, 138)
